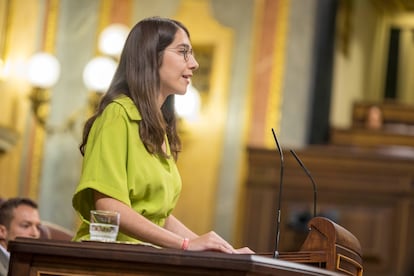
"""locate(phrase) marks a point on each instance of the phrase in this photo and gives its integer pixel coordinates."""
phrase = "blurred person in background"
(19, 217)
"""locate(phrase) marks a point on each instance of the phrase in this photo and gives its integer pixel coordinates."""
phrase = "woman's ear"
(3, 231)
(3, 234)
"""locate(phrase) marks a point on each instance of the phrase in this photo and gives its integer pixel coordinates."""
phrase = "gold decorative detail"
(4, 26)
(56, 273)
(40, 98)
(51, 26)
(341, 257)
(38, 135)
(8, 138)
(276, 85)
(104, 19)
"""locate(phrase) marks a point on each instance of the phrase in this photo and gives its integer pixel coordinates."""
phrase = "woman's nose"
(193, 63)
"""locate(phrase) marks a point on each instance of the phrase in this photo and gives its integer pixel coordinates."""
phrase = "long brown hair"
(137, 76)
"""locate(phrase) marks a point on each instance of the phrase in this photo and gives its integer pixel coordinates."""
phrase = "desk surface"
(48, 257)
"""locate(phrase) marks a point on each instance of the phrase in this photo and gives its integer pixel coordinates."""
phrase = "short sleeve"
(104, 167)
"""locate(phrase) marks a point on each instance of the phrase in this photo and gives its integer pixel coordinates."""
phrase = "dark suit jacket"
(4, 264)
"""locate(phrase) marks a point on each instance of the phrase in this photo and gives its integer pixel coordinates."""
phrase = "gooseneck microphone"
(276, 252)
(311, 178)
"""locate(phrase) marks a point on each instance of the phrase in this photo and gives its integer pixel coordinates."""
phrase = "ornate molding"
(8, 139)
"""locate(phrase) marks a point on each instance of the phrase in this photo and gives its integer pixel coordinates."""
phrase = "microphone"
(310, 177)
(276, 252)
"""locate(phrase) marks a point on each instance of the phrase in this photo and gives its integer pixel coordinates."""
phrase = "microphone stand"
(276, 252)
(310, 177)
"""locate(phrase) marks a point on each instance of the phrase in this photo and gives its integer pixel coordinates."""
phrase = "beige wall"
(356, 48)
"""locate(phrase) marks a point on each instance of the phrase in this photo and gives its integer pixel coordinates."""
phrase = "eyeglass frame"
(183, 50)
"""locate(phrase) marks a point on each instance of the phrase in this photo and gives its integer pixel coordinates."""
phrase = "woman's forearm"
(137, 226)
(174, 225)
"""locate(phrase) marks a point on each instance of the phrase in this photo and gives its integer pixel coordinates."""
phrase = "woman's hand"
(212, 241)
(245, 250)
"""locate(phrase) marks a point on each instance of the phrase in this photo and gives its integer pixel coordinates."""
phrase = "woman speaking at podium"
(130, 145)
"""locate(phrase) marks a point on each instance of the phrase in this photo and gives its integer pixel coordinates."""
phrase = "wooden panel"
(261, 207)
(367, 137)
(392, 112)
(369, 191)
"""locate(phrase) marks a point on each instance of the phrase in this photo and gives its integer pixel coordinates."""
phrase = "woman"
(131, 144)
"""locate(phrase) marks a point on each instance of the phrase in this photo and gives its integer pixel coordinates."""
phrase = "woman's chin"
(180, 92)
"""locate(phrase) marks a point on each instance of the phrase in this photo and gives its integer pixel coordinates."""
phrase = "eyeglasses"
(184, 51)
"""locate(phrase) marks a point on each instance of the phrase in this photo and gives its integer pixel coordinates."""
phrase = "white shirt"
(4, 261)
(7, 253)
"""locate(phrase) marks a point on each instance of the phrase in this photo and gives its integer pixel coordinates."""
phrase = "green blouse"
(117, 164)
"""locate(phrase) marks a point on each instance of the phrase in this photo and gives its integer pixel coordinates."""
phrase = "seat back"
(52, 231)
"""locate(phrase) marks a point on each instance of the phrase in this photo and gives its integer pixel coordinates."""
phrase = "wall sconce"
(112, 39)
(98, 72)
(42, 73)
(97, 76)
(188, 105)
(8, 138)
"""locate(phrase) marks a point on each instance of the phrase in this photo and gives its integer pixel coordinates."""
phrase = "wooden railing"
(392, 113)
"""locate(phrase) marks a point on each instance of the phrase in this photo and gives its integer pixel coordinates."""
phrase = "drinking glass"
(104, 225)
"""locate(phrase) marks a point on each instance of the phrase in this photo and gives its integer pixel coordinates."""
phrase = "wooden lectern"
(330, 246)
(30, 257)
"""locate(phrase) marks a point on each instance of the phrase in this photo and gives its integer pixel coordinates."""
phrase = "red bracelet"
(184, 246)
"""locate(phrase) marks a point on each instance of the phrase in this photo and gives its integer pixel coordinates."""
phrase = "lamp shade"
(43, 70)
(98, 73)
(112, 39)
